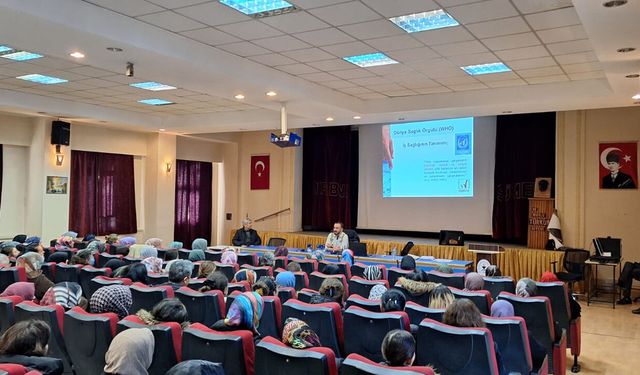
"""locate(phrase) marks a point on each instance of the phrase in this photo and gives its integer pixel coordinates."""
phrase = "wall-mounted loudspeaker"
(543, 187)
(60, 133)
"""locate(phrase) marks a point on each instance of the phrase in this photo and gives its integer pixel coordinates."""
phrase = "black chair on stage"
(276, 241)
(574, 266)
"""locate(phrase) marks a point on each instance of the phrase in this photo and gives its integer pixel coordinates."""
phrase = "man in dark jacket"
(616, 179)
(246, 236)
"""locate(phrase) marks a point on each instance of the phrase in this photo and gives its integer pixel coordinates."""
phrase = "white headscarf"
(130, 352)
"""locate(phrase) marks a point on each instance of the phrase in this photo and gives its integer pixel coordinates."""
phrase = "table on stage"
(425, 263)
(594, 290)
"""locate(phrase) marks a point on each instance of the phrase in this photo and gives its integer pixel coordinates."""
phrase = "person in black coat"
(246, 236)
(25, 343)
(616, 179)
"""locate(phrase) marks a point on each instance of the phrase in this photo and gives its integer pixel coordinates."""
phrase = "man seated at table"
(337, 240)
(246, 236)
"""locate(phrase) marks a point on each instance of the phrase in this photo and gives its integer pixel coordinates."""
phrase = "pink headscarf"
(22, 289)
(229, 257)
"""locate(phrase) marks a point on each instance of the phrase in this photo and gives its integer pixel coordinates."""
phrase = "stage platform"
(516, 262)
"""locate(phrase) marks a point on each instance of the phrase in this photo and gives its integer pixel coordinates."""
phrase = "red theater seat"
(455, 280)
(240, 286)
(213, 256)
(305, 295)
(15, 369)
(245, 258)
(362, 287)
(495, 285)
(229, 270)
(87, 273)
(362, 302)
(281, 262)
(234, 350)
(275, 358)
(145, 297)
(7, 307)
(103, 258)
(260, 271)
(271, 320)
(68, 272)
(87, 337)
(481, 298)
(324, 318)
(206, 308)
(395, 273)
(418, 312)
(307, 265)
(344, 267)
(286, 293)
(356, 364)
(100, 281)
(10, 275)
(316, 279)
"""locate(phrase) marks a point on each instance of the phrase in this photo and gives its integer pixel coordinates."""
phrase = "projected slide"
(428, 159)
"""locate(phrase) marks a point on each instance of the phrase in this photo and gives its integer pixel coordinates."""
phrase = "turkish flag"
(259, 172)
(618, 165)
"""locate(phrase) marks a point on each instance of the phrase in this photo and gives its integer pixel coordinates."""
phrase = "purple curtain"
(193, 201)
(102, 193)
(525, 149)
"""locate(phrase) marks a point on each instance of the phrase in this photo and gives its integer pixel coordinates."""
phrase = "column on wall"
(160, 186)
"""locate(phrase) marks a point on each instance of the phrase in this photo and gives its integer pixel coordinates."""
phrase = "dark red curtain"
(193, 201)
(329, 177)
(102, 193)
(1, 173)
(525, 149)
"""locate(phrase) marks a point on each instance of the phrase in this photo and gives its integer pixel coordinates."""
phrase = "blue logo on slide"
(463, 144)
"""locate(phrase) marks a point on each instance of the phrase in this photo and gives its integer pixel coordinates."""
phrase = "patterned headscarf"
(155, 242)
(127, 241)
(153, 264)
(281, 251)
(298, 335)
(526, 287)
(8, 245)
(135, 251)
(199, 244)
(111, 239)
(376, 292)
(245, 275)
(473, 281)
(372, 273)
(267, 259)
(65, 294)
(196, 255)
(96, 246)
(229, 257)
(286, 279)
(502, 309)
(347, 256)
(32, 261)
(71, 234)
(245, 311)
(112, 298)
(176, 245)
(318, 255)
(64, 242)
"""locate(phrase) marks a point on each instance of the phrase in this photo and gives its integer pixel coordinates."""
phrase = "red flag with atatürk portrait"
(618, 165)
(259, 172)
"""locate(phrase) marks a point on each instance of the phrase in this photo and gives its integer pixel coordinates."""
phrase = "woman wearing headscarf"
(20, 238)
(10, 249)
(286, 279)
(149, 255)
(128, 241)
(84, 257)
(66, 294)
(23, 289)
(245, 275)
(375, 294)
(266, 259)
(130, 353)
(33, 243)
(111, 239)
(167, 310)
(408, 263)
(135, 251)
(347, 257)
(473, 281)
(265, 286)
(96, 247)
(64, 242)
(154, 242)
(526, 287)
(444, 268)
(372, 273)
(281, 251)
(32, 263)
(199, 244)
(176, 245)
(89, 237)
(196, 255)
(244, 314)
(112, 298)
(298, 335)
(229, 256)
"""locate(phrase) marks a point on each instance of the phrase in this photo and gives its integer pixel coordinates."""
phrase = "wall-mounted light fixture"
(167, 167)
(59, 156)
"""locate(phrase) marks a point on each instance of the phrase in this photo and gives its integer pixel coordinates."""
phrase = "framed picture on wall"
(618, 165)
(57, 184)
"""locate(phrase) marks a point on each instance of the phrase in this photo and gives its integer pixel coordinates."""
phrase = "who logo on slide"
(463, 144)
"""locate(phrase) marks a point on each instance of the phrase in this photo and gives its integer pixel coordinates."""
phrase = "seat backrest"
(358, 270)
(7, 306)
(324, 318)
(420, 299)
(234, 350)
(260, 271)
(286, 293)
(455, 280)
(316, 279)
(276, 241)
(247, 258)
(362, 302)
(395, 273)
(281, 262)
(87, 337)
(53, 316)
(271, 320)
(240, 286)
(510, 335)
(100, 281)
(168, 342)
(214, 256)
(343, 267)
(559, 298)
(275, 358)
(229, 270)
(49, 270)
(103, 258)
(157, 278)
(574, 260)
(362, 287)
(356, 364)
(183, 253)
(67, 272)
(468, 351)
(206, 308)
(307, 265)
(302, 280)
(88, 273)
(366, 330)
(418, 312)
(496, 285)
(10, 275)
(481, 298)
(305, 295)
(145, 297)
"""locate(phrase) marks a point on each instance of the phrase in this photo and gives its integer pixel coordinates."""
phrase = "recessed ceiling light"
(329, 119)
(162, 130)
(636, 97)
(632, 75)
(271, 93)
(155, 101)
(114, 49)
(260, 8)
(625, 49)
(614, 3)
(239, 96)
(77, 55)
(21, 56)
(475, 70)
(153, 86)
(435, 19)
(357, 117)
(39, 78)
(370, 60)
(506, 112)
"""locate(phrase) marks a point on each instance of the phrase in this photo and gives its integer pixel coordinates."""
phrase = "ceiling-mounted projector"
(285, 139)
